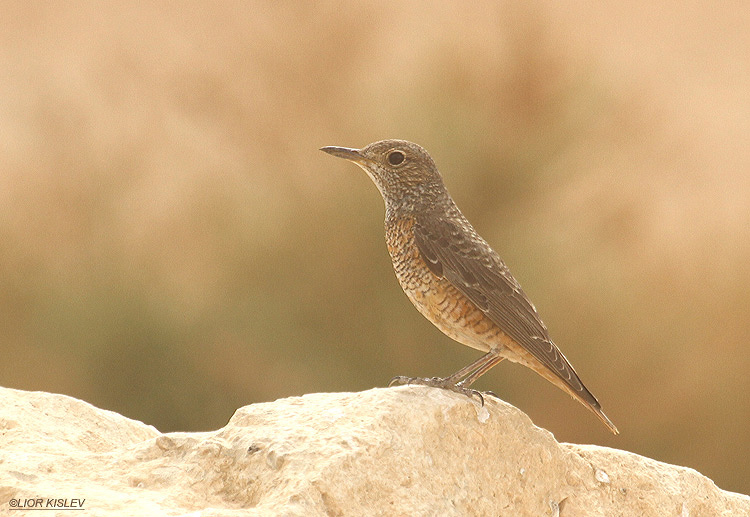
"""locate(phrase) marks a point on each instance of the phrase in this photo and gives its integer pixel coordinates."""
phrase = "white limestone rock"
(407, 451)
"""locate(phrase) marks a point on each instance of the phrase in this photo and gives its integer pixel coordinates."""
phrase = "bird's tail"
(584, 396)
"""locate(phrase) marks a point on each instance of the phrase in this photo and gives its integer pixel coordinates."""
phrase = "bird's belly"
(454, 314)
(438, 300)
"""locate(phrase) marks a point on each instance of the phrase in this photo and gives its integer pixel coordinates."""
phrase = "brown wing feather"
(462, 257)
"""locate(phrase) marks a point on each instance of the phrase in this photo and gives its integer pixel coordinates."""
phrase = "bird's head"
(403, 172)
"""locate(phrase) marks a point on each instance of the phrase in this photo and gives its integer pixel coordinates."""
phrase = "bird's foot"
(438, 382)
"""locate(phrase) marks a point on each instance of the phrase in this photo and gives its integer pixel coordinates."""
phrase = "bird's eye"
(395, 157)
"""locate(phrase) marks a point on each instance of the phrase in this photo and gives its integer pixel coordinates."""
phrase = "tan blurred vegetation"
(174, 246)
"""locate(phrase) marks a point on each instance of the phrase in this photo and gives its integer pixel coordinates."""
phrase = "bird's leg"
(469, 374)
(486, 362)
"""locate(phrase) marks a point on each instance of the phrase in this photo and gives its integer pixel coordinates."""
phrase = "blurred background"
(174, 246)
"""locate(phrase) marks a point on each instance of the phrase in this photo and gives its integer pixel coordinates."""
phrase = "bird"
(454, 278)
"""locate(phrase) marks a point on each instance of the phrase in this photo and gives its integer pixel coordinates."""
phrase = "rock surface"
(407, 451)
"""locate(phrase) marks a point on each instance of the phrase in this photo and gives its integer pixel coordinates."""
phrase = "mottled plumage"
(453, 277)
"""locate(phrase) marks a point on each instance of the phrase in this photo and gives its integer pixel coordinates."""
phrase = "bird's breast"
(435, 297)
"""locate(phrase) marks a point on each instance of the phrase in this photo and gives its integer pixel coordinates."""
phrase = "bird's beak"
(346, 153)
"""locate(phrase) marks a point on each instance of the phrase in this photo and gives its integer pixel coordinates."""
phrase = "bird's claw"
(437, 382)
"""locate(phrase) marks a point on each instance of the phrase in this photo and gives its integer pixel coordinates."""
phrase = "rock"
(401, 451)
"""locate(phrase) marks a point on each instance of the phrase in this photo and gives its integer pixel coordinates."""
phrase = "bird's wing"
(463, 258)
